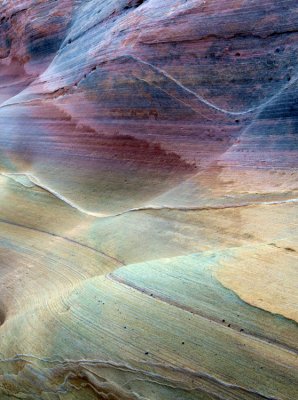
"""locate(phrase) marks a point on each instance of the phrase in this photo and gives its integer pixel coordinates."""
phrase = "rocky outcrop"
(148, 159)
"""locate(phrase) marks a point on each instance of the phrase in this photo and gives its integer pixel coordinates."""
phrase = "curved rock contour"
(148, 199)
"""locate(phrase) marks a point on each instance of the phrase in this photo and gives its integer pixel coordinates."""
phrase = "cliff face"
(159, 137)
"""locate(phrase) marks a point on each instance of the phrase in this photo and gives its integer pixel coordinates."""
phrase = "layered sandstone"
(148, 202)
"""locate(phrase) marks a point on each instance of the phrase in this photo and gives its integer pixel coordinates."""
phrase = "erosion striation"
(148, 199)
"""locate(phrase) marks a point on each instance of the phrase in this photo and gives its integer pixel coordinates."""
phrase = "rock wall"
(148, 202)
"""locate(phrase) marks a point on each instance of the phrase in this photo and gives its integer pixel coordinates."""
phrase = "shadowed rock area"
(148, 200)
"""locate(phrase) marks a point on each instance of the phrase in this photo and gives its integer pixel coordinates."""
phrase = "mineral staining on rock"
(148, 202)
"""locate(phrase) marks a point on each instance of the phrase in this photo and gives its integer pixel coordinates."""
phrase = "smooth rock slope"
(148, 199)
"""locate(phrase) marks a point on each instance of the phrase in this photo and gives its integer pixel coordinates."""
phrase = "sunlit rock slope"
(148, 199)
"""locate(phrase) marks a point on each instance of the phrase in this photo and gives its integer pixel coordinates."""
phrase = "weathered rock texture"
(148, 199)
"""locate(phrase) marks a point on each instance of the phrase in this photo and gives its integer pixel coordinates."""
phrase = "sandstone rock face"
(148, 199)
